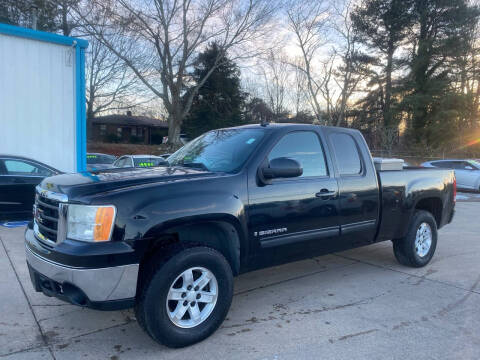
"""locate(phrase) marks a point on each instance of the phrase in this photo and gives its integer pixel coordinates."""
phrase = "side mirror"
(282, 168)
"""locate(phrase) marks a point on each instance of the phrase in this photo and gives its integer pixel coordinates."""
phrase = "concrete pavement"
(357, 304)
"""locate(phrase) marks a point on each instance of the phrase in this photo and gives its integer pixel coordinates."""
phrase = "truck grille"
(47, 217)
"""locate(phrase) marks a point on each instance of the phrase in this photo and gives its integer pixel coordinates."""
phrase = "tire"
(168, 279)
(407, 250)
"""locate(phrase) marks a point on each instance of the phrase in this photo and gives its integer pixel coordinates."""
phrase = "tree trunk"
(90, 115)
(387, 115)
(174, 127)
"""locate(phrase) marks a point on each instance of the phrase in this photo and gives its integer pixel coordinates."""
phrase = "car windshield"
(149, 162)
(476, 163)
(218, 150)
(100, 159)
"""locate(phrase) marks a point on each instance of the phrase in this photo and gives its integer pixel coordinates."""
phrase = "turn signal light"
(103, 223)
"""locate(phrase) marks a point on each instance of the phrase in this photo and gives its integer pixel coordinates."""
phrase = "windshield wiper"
(195, 165)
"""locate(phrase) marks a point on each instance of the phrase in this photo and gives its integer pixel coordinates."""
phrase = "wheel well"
(219, 235)
(434, 206)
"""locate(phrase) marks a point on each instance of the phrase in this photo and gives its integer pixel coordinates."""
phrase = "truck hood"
(89, 183)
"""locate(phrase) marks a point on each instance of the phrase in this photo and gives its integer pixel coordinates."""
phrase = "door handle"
(325, 193)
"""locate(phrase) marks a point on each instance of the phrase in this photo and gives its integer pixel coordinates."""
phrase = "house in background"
(127, 128)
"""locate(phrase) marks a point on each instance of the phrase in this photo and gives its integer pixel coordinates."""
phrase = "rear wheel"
(417, 248)
(185, 299)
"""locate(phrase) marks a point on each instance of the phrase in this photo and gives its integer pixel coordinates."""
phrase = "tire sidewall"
(157, 320)
(422, 217)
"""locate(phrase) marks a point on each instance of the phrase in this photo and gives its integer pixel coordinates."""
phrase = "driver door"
(295, 216)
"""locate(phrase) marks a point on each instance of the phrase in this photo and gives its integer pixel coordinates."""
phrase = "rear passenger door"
(358, 187)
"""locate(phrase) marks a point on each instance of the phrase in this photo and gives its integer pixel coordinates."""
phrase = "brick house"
(127, 128)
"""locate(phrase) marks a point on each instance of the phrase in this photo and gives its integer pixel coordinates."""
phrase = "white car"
(467, 172)
(139, 161)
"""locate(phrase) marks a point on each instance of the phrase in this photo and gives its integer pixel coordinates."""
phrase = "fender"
(416, 191)
(221, 212)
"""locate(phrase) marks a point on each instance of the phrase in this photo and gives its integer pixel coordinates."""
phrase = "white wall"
(37, 101)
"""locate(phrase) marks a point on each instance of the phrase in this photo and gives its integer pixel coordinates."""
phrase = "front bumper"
(107, 288)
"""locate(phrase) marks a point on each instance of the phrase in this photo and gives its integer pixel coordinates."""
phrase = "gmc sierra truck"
(168, 241)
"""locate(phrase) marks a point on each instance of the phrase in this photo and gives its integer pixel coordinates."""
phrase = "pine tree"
(219, 101)
(383, 25)
(52, 16)
(443, 33)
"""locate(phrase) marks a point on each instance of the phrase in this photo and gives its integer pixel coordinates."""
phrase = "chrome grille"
(49, 216)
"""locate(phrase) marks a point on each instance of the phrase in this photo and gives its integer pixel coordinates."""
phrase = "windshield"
(218, 150)
(476, 163)
(100, 159)
(149, 162)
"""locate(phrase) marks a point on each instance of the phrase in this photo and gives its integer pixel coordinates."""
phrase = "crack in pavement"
(24, 350)
(471, 290)
(345, 337)
(290, 279)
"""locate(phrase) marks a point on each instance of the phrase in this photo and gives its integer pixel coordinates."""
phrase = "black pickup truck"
(168, 241)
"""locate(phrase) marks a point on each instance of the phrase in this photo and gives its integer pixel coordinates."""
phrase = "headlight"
(90, 223)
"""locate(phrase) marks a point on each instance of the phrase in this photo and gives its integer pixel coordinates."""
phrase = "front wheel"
(186, 298)
(416, 249)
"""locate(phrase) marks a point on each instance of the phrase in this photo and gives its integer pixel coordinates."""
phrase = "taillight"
(454, 189)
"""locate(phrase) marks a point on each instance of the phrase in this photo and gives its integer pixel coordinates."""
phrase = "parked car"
(467, 172)
(18, 178)
(98, 161)
(139, 161)
(169, 240)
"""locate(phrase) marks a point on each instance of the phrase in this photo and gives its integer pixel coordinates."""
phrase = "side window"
(458, 165)
(18, 167)
(442, 164)
(3, 170)
(346, 153)
(120, 162)
(304, 147)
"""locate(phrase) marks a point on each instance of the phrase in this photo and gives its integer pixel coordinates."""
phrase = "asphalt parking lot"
(358, 304)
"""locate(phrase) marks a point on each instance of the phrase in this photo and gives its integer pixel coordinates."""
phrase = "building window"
(134, 131)
(119, 132)
(140, 132)
(103, 129)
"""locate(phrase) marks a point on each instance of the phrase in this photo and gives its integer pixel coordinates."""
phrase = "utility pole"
(34, 17)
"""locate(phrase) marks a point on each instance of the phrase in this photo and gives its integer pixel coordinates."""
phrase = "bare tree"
(163, 37)
(308, 21)
(111, 85)
(350, 72)
(333, 68)
(276, 74)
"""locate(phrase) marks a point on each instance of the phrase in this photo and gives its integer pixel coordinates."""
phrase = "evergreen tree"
(52, 16)
(219, 101)
(443, 32)
(383, 25)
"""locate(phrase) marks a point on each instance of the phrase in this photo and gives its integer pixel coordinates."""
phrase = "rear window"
(346, 153)
(148, 162)
(100, 159)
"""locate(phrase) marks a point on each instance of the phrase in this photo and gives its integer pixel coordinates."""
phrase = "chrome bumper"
(103, 284)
